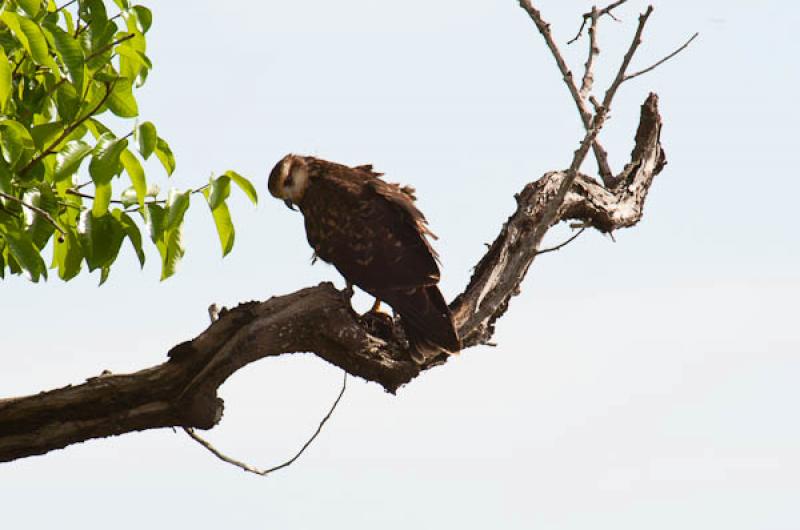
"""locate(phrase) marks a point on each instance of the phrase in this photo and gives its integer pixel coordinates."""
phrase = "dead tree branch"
(663, 60)
(586, 115)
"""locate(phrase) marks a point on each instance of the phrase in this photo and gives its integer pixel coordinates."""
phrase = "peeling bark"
(182, 392)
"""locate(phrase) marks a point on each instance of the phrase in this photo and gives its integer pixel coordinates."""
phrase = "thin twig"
(580, 29)
(108, 46)
(251, 469)
(51, 149)
(586, 115)
(65, 5)
(36, 209)
(75, 192)
(564, 244)
(586, 16)
(662, 61)
(607, 10)
(626, 60)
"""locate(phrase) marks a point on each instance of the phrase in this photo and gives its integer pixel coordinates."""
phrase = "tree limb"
(600, 153)
(182, 392)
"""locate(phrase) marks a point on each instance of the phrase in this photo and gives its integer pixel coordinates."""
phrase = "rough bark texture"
(183, 390)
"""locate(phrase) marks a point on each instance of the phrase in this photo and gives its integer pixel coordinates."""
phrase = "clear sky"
(648, 383)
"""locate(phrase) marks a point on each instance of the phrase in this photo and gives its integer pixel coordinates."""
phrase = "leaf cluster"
(68, 182)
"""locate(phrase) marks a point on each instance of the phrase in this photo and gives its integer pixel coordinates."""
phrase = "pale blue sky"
(647, 383)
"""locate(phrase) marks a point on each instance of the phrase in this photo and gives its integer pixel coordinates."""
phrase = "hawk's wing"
(372, 231)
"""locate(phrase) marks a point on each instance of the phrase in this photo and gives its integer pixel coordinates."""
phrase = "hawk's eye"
(288, 182)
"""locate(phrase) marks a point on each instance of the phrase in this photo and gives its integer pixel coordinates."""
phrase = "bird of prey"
(373, 234)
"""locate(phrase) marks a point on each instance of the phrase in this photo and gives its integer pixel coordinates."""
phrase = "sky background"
(650, 382)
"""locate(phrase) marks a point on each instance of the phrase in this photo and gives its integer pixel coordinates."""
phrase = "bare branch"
(251, 469)
(587, 16)
(497, 276)
(586, 115)
(607, 10)
(594, 50)
(626, 60)
(564, 244)
(36, 209)
(580, 29)
(662, 61)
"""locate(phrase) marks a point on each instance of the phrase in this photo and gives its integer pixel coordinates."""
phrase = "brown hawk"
(373, 234)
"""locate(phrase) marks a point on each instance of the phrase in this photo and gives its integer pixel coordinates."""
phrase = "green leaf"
(104, 272)
(39, 228)
(30, 6)
(102, 198)
(45, 133)
(101, 238)
(145, 134)
(106, 76)
(69, 159)
(244, 184)
(144, 18)
(164, 154)
(105, 162)
(121, 101)
(154, 219)
(134, 170)
(5, 79)
(67, 256)
(67, 101)
(168, 242)
(97, 129)
(24, 252)
(68, 20)
(14, 140)
(31, 37)
(177, 204)
(71, 53)
(132, 62)
(132, 231)
(218, 190)
(172, 252)
(225, 230)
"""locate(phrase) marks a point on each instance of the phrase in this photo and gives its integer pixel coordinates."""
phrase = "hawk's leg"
(348, 289)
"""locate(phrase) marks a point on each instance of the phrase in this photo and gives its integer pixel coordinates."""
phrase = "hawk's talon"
(376, 307)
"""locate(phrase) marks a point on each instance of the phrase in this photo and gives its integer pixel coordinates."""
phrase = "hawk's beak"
(288, 203)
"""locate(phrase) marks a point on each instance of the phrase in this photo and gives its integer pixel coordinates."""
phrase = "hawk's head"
(288, 180)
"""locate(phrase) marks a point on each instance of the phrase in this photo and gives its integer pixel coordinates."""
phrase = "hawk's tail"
(426, 320)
